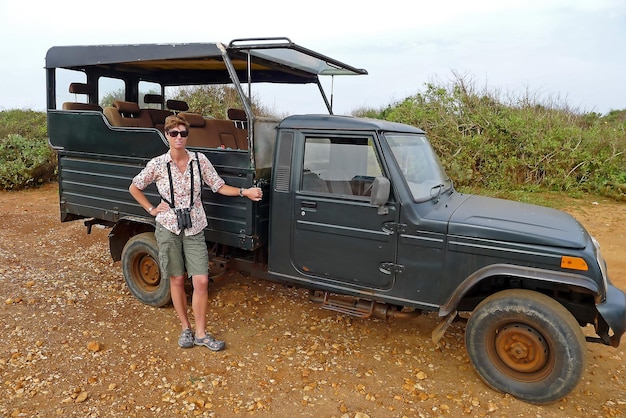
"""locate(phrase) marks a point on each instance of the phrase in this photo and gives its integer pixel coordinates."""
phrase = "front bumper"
(613, 312)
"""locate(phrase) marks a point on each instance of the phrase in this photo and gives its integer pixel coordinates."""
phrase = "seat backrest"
(241, 138)
(159, 114)
(199, 135)
(240, 120)
(225, 131)
(81, 106)
(128, 114)
(211, 133)
(338, 181)
(311, 182)
(158, 117)
(80, 88)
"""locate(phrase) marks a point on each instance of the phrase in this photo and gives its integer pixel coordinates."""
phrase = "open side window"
(340, 165)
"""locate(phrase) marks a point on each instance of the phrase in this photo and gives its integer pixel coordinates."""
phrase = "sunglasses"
(174, 134)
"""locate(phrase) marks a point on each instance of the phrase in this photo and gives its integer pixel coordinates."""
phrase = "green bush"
(520, 144)
(27, 123)
(26, 159)
(485, 143)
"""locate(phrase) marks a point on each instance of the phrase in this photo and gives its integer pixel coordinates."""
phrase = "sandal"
(210, 343)
(186, 338)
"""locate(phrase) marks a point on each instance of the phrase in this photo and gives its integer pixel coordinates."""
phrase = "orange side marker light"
(573, 263)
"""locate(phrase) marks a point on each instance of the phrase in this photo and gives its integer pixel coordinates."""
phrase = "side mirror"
(381, 188)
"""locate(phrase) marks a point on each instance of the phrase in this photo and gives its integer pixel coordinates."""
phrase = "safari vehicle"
(358, 211)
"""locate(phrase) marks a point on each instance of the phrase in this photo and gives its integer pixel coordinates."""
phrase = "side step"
(360, 309)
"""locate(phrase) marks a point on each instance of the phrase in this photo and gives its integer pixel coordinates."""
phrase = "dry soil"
(74, 342)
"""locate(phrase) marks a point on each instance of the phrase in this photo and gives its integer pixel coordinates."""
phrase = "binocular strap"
(169, 174)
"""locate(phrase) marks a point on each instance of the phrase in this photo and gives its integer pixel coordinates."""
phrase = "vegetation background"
(489, 143)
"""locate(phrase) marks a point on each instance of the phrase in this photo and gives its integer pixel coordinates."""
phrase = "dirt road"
(74, 342)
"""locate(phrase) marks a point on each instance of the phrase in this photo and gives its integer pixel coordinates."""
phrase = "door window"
(344, 166)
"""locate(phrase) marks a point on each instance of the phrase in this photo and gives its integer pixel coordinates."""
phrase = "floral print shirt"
(156, 171)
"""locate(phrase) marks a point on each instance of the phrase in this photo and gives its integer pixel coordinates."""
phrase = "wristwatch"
(241, 192)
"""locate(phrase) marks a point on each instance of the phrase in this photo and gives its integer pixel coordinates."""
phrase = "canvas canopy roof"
(272, 60)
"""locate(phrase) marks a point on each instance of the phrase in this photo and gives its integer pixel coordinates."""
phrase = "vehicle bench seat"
(128, 114)
(212, 133)
(203, 132)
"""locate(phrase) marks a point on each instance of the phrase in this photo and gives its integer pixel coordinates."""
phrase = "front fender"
(519, 272)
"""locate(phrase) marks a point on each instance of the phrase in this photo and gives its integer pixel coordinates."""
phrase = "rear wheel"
(142, 273)
(526, 344)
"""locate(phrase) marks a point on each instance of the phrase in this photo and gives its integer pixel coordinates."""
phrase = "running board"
(360, 309)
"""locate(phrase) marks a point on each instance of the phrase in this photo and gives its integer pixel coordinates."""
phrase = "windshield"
(419, 165)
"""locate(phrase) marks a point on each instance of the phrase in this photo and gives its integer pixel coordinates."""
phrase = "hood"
(509, 221)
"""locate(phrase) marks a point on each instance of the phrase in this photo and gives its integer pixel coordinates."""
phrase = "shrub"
(215, 100)
(27, 123)
(26, 159)
(486, 142)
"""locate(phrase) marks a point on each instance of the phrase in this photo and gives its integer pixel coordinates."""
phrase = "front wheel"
(526, 344)
(142, 273)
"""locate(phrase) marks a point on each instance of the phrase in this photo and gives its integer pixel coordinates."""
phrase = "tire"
(142, 272)
(526, 344)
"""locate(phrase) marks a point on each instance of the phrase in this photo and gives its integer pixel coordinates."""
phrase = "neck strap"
(169, 174)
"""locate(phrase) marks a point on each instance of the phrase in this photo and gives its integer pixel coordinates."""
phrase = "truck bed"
(97, 162)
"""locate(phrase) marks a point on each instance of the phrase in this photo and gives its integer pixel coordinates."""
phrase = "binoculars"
(183, 217)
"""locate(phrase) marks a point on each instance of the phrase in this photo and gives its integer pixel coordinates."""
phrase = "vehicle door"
(339, 236)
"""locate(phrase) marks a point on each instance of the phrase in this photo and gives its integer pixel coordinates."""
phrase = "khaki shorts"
(180, 253)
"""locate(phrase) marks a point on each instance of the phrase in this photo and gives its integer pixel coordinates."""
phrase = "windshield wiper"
(440, 188)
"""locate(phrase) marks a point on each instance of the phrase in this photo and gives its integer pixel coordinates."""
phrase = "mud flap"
(441, 328)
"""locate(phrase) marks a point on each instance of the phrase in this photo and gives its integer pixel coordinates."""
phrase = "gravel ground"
(76, 343)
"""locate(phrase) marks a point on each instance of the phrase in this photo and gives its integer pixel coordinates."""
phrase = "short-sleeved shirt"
(156, 171)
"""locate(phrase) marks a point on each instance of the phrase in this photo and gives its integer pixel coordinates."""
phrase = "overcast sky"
(568, 51)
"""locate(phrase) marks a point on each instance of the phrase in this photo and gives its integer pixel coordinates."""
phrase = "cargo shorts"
(181, 253)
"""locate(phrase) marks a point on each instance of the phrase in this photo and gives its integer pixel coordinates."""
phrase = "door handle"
(308, 204)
